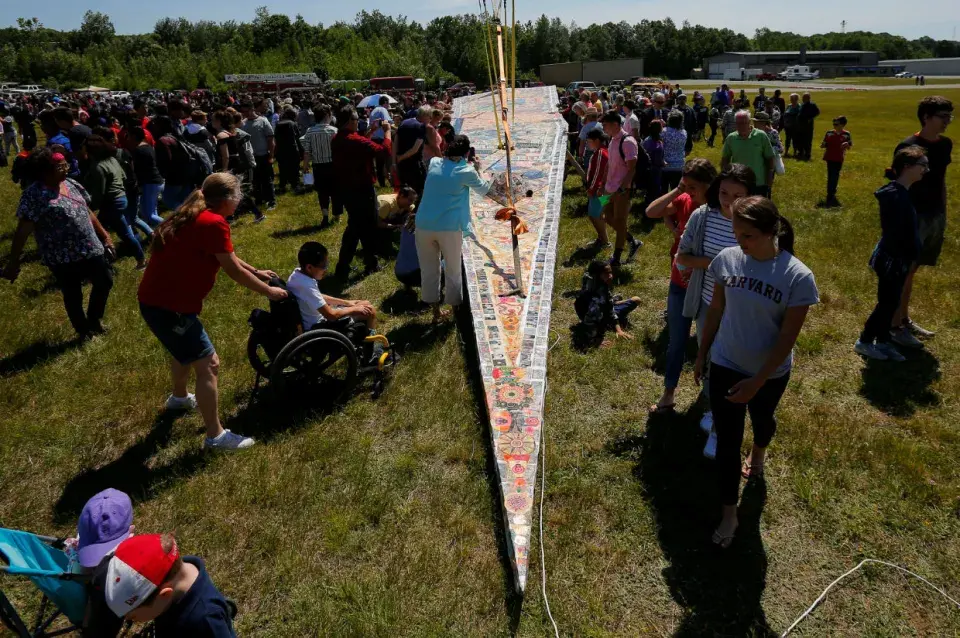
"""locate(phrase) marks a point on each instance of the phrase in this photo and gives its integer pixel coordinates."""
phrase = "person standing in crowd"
(235, 155)
(304, 116)
(354, 174)
(264, 152)
(72, 244)
(929, 196)
(103, 180)
(414, 134)
(148, 177)
(189, 249)
(675, 208)
(56, 137)
(895, 253)
(835, 143)
(764, 123)
(750, 147)
(171, 162)
(381, 113)
(655, 112)
(653, 146)
(714, 121)
(589, 123)
(760, 302)
(631, 123)
(433, 147)
(594, 182)
(442, 218)
(781, 106)
(760, 102)
(805, 125)
(74, 130)
(621, 166)
(318, 155)
(196, 133)
(689, 122)
(709, 230)
(790, 119)
(675, 140)
(702, 114)
(289, 151)
(728, 123)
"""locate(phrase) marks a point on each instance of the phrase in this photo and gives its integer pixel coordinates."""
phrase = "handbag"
(778, 165)
(308, 179)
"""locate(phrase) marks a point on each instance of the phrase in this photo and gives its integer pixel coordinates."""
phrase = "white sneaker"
(706, 422)
(184, 404)
(869, 350)
(903, 337)
(227, 440)
(892, 353)
(917, 331)
(710, 449)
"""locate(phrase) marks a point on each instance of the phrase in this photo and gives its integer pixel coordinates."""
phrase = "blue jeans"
(113, 212)
(175, 194)
(131, 215)
(148, 203)
(678, 328)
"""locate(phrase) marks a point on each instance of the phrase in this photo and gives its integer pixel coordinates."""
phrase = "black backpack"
(280, 325)
(642, 173)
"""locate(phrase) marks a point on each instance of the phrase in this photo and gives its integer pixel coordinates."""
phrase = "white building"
(927, 66)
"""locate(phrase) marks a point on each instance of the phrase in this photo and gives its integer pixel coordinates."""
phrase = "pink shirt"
(428, 153)
(617, 165)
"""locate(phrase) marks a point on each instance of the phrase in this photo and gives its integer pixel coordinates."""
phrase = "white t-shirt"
(305, 289)
(718, 235)
(631, 125)
(757, 295)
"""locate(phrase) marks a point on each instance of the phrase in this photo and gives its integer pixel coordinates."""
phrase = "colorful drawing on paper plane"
(512, 332)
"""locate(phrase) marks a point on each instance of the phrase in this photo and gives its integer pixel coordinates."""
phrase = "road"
(820, 85)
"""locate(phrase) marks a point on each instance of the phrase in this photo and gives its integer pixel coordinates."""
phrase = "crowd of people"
(106, 166)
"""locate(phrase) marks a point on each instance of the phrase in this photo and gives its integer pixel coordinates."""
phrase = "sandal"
(721, 541)
(749, 471)
(656, 408)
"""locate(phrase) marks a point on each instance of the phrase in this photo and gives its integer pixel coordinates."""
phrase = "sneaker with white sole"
(706, 422)
(892, 353)
(917, 331)
(869, 350)
(227, 440)
(182, 404)
(710, 449)
(903, 337)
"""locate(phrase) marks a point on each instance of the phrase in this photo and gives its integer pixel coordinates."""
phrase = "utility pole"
(843, 26)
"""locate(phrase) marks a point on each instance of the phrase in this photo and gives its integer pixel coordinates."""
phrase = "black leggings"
(889, 290)
(729, 421)
(70, 278)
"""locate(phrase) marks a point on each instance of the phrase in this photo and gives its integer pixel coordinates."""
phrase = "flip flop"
(656, 408)
(749, 471)
(721, 541)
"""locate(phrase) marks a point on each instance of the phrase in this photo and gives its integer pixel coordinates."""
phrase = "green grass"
(890, 81)
(379, 519)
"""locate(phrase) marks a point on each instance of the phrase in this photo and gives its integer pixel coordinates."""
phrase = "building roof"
(882, 62)
(791, 52)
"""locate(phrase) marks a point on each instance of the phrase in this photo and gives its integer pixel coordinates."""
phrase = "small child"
(595, 181)
(835, 143)
(407, 267)
(105, 521)
(148, 580)
(597, 307)
(316, 307)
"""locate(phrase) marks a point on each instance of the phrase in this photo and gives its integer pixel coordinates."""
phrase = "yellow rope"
(491, 60)
(513, 42)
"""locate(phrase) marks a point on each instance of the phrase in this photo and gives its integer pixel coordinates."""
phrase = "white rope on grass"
(543, 560)
(862, 563)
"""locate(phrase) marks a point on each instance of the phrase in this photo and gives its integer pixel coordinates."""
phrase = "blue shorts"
(594, 207)
(181, 334)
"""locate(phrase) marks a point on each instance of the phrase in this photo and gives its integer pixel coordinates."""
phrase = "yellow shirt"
(389, 210)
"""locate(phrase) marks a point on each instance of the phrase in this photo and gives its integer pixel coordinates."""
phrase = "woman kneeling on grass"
(189, 249)
(760, 302)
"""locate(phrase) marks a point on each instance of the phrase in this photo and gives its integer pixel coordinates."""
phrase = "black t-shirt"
(78, 135)
(409, 131)
(927, 194)
(145, 165)
(287, 134)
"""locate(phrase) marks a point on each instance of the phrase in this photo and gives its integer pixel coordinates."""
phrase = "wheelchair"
(63, 594)
(325, 362)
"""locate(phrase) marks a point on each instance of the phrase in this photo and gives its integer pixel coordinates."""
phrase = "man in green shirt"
(751, 147)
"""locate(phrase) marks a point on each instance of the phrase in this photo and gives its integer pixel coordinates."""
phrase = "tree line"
(180, 54)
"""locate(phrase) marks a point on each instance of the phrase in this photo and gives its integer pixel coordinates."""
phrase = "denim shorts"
(181, 334)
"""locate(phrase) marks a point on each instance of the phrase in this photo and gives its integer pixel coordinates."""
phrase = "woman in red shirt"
(675, 208)
(189, 249)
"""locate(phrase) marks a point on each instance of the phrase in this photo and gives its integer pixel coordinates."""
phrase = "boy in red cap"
(147, 580)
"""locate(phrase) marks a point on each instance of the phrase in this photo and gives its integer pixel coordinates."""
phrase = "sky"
(940, 18)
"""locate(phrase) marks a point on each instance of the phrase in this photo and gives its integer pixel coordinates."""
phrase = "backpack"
(280, 325)
(198, 164)
(129, 176)
(642, 172)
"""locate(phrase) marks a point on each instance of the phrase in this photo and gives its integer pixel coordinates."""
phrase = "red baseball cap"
(137, 568)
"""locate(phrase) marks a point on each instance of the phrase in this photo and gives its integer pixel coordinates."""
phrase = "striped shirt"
(718, 234)
(316, 143)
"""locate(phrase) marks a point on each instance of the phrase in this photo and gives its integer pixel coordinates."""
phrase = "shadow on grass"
(900, 388)
(403, 302)
(50, 285)
(657, 348)
(468, 343)
(129, 473)
(297, 232)
(640, 224)
(583, 255)
(33, 355)
(719, 590)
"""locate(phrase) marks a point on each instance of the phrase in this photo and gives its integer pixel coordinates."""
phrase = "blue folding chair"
(41, 560)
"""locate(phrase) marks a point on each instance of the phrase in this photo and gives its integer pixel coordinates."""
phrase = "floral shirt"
(674, 143)
(61, 223)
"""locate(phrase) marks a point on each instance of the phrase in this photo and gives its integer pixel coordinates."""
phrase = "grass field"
(379, 519)
(931, 81)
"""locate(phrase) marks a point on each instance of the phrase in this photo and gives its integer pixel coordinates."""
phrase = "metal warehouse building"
(829, 63)
(927, 66)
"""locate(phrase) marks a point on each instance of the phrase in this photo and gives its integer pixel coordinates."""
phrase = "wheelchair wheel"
(321, 362)
(258, 356)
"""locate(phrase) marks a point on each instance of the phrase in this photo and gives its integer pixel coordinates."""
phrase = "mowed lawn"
(379, 519)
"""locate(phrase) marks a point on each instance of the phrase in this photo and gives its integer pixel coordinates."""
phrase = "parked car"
(119, 95)
(904, 74)
(581, 86)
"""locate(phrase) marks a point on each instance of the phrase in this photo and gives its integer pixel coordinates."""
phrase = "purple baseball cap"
(104, 523)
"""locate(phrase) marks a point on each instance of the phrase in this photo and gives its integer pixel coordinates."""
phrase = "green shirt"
(104, 181)
(753, 151)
